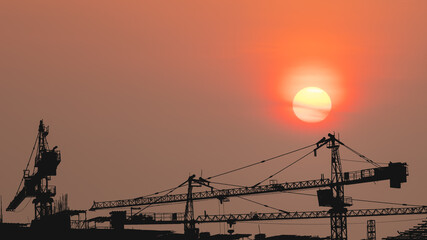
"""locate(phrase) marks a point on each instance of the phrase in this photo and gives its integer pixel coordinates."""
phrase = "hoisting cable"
(158, 199)
(229, 184)
(264, 205)
(20, 210)
(28, 163)
(359, 154)
(263, 161)
(361, 161)
(261, 204)
(287, 166)
(392, 203)
(149, 195)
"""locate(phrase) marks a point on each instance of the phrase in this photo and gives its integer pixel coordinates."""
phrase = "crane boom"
(211, 194)
(395, 172)
(310, 214)
(26, 191)
(178, 218)
(17, 200)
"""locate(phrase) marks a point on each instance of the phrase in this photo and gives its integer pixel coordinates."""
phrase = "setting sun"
(312, 104)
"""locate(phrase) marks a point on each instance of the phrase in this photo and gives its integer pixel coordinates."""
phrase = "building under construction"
(55, 215)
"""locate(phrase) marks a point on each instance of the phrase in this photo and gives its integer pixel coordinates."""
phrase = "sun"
(312, 104)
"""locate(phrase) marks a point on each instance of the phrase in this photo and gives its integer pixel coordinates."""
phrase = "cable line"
(149, 195)
(263, 161)
(360, 155)
(314, 195)
(281, 170)
(229, 184)
(361, 161)
(158, 199)
(264, 205)
(253, 201)
(28, 163)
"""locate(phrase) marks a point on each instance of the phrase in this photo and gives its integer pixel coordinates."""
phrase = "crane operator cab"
(48, 162)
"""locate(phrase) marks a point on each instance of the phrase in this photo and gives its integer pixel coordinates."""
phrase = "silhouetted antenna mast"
(1, 209)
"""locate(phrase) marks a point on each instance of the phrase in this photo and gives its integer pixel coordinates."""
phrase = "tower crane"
(36, 183)
(330, 194)
(175, 218)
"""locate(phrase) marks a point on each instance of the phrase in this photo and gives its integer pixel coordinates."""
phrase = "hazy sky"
(140, 94)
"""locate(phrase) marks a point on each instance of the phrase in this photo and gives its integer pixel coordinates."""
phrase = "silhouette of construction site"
(54, 215)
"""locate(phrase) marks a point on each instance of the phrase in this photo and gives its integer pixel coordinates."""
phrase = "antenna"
(1, 209)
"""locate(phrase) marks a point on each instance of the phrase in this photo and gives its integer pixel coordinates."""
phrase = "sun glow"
(312, 104)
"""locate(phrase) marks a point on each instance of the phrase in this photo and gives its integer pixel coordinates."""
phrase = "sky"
(141, 94)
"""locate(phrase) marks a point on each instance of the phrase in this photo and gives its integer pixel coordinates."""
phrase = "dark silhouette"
(331, 194)
(36, 184)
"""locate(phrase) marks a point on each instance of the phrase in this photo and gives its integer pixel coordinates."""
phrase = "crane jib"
(395, 172)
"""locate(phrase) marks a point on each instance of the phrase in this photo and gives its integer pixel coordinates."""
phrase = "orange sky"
(131, 87)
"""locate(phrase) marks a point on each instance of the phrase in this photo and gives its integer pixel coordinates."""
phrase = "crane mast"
(338, 211)
(189, 224)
